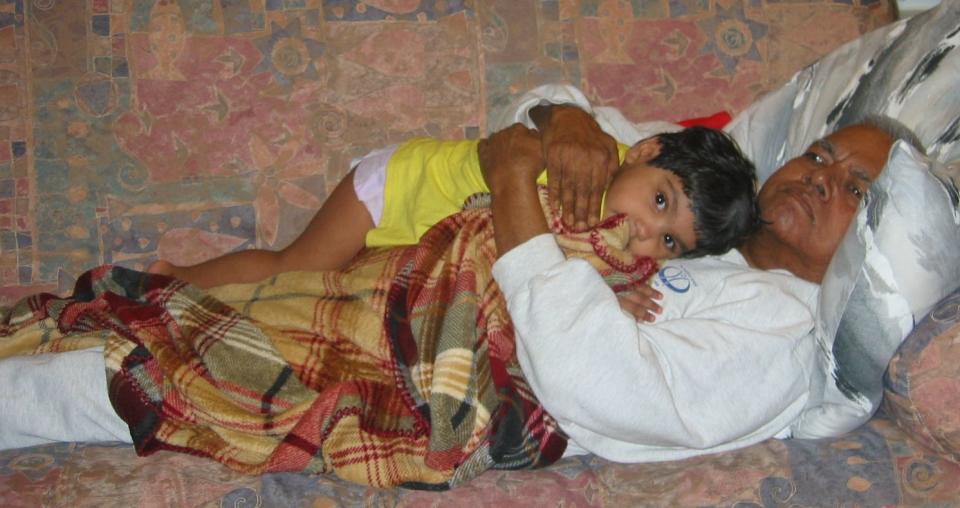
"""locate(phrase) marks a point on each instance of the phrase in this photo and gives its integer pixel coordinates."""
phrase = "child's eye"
(661, 201)
(669, 242)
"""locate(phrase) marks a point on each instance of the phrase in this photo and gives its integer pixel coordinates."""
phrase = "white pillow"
(901, 254)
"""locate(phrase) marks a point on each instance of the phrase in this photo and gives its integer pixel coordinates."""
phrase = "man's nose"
(821, 183)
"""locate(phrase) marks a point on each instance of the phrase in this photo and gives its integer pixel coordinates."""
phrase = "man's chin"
(788, 215)
(792, 230)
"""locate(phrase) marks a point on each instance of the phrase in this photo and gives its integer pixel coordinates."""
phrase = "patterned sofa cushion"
(869, 302)
(188, 129)
(922, 383)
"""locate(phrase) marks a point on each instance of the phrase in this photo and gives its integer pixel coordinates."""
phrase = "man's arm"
(701, 380)
(511, 160)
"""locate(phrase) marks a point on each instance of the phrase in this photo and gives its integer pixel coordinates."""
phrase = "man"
(731, 359)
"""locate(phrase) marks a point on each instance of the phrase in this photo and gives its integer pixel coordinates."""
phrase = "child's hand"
(640, 303)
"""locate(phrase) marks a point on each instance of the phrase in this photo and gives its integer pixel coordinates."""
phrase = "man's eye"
(661, 201)
(815, 157)
(856, 191)
(669, 242)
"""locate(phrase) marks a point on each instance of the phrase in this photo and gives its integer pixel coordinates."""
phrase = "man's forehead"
(857, 139)
(865, 144)
(856, 136)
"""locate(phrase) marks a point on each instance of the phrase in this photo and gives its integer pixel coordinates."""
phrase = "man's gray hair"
(893, 127)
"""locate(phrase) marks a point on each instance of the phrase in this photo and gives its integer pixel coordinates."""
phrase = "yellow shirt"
(427, 180)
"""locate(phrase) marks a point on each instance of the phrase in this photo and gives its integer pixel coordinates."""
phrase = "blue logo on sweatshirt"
(675, 278)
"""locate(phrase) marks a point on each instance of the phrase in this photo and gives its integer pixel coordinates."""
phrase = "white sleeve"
(544, 94)
(631, 391)
(610, 119)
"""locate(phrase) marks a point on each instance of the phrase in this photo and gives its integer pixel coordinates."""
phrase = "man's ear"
(643, 150)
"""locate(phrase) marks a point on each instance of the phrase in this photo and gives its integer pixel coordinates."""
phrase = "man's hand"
(640, 303)
(510, 160)
(580, 159)
(510, 157)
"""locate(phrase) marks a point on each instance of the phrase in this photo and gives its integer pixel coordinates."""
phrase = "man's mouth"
(802, 199)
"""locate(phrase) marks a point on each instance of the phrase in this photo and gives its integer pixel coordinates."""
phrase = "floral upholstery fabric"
(876, 465)
(922, 383)
(131, 129)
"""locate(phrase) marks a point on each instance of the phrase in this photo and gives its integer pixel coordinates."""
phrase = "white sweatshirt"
(726, 365)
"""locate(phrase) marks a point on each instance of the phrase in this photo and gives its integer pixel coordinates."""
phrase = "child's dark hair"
(720, 183)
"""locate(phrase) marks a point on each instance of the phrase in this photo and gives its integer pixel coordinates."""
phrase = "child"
(688, 193)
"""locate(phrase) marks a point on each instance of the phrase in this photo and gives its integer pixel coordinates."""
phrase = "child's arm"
(640, 302)
(334, 236)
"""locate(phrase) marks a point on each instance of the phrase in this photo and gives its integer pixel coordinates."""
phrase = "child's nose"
(641, 230)
(649, 228)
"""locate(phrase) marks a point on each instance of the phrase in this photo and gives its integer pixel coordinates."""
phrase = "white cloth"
(370, 180)
(57, 397)
(611, 120)
(726, 365)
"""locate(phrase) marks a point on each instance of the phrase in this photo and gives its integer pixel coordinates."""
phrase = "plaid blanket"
(399, 371)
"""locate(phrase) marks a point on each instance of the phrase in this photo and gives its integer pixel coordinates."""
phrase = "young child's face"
(658, 211)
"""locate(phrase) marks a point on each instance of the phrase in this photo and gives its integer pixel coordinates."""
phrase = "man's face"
(812, 198)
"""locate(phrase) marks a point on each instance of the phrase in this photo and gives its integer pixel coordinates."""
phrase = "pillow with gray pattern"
(908, 70)
(897, 260)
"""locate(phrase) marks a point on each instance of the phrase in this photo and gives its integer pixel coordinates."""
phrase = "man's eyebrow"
(862, 175)
(826, 146)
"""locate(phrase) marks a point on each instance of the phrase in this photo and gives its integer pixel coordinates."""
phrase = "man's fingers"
(553, 191)
(594, 203)
(600, 166)
(602, 180)
(568, 197)
(580, 199)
